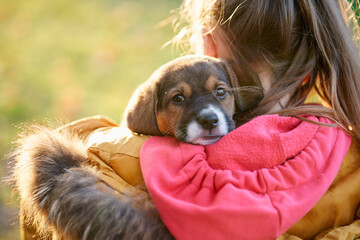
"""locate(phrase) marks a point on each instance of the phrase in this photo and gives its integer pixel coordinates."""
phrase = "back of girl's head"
(292, 38)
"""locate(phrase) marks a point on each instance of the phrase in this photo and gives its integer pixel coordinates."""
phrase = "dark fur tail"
(62, 196)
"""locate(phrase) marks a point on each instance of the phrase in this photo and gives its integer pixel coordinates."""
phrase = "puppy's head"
(189, 98)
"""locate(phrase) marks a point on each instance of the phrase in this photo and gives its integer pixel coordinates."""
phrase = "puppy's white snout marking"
(207, 127)
(208, 120)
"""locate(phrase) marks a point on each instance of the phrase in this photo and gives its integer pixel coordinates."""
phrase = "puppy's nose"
(208, 120)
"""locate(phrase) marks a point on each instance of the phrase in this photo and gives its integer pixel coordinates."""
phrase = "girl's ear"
(214, 44)
(209, 44)
(140, 114)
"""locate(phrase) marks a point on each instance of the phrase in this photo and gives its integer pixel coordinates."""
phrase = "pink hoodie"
(254, 183)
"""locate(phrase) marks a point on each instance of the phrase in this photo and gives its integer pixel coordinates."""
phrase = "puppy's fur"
(63, 198)
(189, 98)
(60, 192)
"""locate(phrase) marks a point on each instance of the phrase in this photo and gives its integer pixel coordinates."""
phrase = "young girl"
(274, 176)
(288, 48)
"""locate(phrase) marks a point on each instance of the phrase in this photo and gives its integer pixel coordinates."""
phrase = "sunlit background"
(64, 60)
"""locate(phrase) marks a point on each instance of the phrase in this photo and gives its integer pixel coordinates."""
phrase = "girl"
(288, 48)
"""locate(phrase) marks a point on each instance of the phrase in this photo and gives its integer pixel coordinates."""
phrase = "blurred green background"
(64, 60)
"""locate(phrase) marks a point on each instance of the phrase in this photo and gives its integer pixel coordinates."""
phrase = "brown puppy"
(189, 98)
(61, 194)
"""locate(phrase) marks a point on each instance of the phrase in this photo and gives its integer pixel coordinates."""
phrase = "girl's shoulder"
(111, 148)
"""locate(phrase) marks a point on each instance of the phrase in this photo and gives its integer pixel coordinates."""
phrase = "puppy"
(61, 194)
(189, 98)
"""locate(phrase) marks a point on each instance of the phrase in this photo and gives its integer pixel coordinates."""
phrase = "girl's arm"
(197, 201)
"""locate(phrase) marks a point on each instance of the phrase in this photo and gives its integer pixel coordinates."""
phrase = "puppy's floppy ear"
(140, 114)
(247, 93)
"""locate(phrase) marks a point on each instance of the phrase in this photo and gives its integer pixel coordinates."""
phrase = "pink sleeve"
(196, 201)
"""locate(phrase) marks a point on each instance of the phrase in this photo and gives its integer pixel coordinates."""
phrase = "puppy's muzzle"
(208, 120)
(208, 126)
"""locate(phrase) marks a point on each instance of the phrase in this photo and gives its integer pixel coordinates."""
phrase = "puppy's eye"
(220, 92)
(178, 98)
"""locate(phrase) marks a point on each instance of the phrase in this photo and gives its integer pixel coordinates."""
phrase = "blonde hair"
(296, 39)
